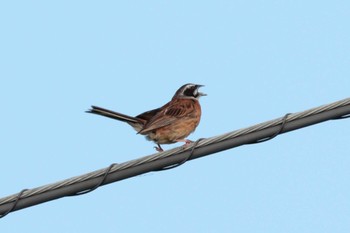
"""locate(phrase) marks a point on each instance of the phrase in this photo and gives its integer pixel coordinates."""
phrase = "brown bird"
(168, 124)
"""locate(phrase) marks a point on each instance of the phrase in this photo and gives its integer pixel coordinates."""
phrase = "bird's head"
(189, 91)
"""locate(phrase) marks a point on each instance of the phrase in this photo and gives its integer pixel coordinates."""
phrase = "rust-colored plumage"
(168, 124)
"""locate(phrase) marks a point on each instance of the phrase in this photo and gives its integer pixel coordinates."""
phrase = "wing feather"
(170, 112)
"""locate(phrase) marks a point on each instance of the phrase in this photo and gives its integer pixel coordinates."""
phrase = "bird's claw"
(158, 148)
(187, 142)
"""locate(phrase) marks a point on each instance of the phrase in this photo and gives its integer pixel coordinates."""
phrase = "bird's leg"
(158, 148)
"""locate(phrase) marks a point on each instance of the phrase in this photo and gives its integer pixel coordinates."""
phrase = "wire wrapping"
(14, 203)
(103, 173)
(97, 185)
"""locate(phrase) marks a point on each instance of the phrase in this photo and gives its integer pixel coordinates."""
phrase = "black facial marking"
(190, 91)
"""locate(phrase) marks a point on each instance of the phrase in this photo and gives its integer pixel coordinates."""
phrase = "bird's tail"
(114, 115)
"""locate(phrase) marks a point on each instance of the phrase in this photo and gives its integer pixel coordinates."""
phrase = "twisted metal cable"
(162, 155)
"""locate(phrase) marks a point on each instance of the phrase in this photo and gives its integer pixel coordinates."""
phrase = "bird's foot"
(158, 148)
(186, 141)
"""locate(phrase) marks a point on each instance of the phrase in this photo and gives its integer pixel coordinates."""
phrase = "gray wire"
(157, 161)
(19, 195)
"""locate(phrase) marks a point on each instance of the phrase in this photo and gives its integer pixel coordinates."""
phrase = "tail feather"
(113, 115)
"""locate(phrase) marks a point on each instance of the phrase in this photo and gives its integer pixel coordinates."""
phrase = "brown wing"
(147, 116)
(169, 113)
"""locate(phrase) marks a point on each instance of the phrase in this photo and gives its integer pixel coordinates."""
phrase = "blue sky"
(258, 60)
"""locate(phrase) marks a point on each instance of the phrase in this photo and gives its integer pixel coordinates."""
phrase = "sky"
(258, 61)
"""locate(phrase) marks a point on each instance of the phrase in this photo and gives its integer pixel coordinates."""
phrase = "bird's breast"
(179, 129)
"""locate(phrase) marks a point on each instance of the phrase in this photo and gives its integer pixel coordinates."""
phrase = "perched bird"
(168, 124)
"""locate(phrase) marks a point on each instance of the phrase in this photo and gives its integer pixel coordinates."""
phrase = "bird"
(171, 123)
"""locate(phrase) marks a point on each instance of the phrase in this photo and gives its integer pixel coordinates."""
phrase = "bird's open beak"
(201, 93)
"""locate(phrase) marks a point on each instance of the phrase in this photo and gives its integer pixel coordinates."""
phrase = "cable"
(97, 185)
(175, 157)
(284, 120)
(14, 203)
(342, 117)
(183, 161)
